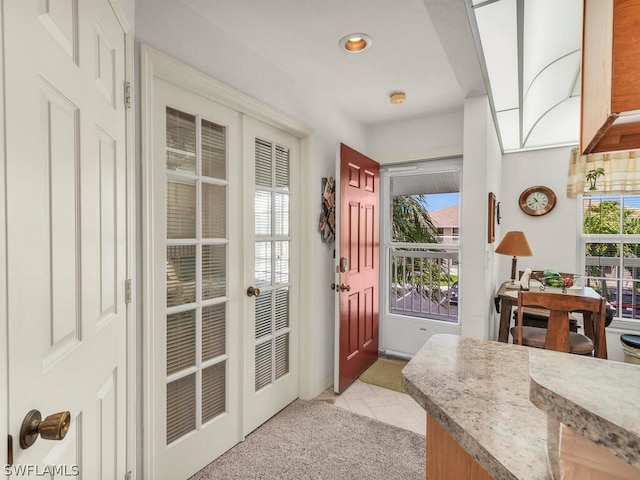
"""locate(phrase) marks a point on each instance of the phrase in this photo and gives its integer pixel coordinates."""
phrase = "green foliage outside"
(411, 223)
(608, 218)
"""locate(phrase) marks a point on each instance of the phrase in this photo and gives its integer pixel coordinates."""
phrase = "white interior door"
(197, 292)
(66, 232)
(271, 266)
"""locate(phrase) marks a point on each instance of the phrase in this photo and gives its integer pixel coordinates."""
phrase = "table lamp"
(515, 244)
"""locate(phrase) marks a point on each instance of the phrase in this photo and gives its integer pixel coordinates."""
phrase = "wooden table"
(595, 330)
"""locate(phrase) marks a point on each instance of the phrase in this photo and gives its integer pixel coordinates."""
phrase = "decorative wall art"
(327, 221)
(491, 229)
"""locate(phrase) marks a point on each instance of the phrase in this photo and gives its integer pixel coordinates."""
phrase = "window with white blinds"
(196, 272)
(273, 239)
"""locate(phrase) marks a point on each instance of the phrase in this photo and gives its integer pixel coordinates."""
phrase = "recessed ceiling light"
(355, 42)
(398, 97)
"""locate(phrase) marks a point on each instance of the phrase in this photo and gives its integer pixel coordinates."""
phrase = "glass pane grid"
(272, 261)
(611, 229)
(196, 272)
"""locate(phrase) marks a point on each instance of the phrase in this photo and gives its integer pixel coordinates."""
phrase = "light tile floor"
(386, 405)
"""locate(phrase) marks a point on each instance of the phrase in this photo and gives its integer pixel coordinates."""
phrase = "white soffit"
(532, 58)
(437, 182)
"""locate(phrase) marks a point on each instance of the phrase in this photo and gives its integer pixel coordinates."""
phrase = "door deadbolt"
(54, 427)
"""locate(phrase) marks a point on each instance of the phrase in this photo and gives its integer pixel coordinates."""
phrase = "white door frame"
(131, 436)
(157, 65)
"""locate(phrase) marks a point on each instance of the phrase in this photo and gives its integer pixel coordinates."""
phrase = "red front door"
(359, 274)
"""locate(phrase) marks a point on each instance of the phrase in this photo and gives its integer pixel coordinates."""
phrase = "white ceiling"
(301, 37)
(426, 48)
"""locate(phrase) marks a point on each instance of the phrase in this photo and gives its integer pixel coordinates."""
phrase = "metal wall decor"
(327, 221)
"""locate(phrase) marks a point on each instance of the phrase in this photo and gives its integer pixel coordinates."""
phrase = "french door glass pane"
(181, 407)
(181, 141)
(181, 274)
(282, 168)
(282, 356)
(181, 341)
(214, 150)
(264, 163)
(282, 214)
(282, 262)
(181, 208)
(214, 211)
(214, 326)
(263, 365)
(263, 316)
(214, 268)
(213, 391)
(263, 263)
(282, 308)
(263, 213)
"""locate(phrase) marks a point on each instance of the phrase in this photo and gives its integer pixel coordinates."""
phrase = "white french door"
(66, 220)
(220, 216)
(271, 271)
(196, 318)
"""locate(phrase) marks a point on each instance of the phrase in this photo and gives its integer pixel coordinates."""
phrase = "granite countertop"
(603, 406)
(478, 391)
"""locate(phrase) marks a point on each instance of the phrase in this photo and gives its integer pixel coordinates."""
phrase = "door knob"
(344, 287)
(54, 427)
(253, 292)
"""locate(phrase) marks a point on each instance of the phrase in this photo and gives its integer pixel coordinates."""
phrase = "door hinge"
(127, 291)
(10, 450)
(128, 476)
(128, 102)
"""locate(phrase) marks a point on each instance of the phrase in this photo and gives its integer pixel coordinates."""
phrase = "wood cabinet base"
(581, 459)
(446, 459)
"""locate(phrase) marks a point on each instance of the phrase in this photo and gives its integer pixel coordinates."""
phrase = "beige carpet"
(385, 372)
(315, 440)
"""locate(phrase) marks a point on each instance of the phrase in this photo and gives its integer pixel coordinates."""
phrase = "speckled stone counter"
(596, 398)
(478, 391)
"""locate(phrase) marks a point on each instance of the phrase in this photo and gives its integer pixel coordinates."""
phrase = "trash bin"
(631, 347)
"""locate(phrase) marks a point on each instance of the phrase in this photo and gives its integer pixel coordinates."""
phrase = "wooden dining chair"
(557, 335)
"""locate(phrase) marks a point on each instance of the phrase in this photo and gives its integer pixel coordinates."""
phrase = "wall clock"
(538, 200)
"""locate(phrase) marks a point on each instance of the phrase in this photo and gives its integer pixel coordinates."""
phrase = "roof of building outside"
(446, 217)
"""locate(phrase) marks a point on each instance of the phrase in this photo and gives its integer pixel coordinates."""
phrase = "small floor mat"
(385, 372)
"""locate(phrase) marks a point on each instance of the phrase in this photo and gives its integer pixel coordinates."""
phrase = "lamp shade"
(516, 244)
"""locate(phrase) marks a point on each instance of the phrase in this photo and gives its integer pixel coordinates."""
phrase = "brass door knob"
(54, 427)
(253, 292)
(344, 287)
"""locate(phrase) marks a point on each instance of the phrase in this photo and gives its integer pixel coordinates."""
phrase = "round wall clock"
(537, 200)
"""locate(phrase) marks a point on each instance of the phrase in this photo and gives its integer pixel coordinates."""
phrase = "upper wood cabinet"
(610, 116)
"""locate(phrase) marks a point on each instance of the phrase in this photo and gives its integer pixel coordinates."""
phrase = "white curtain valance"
(621, 172)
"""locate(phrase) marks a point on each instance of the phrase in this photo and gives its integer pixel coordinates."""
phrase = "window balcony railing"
(619, 284)
(424, 283)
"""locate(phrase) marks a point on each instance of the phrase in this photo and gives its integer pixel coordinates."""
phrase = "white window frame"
(387, 172)
(619, 323)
